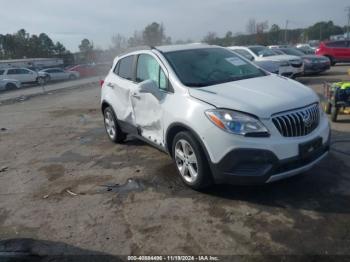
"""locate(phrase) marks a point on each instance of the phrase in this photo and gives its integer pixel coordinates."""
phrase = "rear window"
(125, 67)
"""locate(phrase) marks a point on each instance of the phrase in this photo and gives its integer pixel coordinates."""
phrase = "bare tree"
(119, 43)
(251, 26)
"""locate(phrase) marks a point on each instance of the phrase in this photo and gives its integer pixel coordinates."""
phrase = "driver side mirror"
(150, 87)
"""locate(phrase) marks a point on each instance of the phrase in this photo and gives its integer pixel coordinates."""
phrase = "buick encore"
(221, 118)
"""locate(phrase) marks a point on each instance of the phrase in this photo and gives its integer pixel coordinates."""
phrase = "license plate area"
(308, 148)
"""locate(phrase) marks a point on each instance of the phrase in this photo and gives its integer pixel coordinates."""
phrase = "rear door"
(121, 83)
(14, 73)
(340, 50)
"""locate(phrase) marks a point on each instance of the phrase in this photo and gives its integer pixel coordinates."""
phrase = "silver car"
(57, 74)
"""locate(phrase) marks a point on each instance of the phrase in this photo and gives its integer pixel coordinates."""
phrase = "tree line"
(22, 44)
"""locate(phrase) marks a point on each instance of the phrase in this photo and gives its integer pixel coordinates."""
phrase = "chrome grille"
(299, 122)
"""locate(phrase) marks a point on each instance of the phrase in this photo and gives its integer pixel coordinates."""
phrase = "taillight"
(102, 82)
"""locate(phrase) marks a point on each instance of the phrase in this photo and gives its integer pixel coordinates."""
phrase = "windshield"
(292, 51)
(262, 51)
(210, 66)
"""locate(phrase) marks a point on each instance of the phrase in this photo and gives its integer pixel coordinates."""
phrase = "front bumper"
(259, 166)
(316, 68)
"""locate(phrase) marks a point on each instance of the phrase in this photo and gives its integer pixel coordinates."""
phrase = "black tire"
(328, 108)
(118, 136)
(47, 79)
(41, 80)
(10, 86)
(72, 77)
(204, 177)
(332, 60)
(334, 113)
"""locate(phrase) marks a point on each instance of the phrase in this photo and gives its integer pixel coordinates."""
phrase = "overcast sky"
(69, 21)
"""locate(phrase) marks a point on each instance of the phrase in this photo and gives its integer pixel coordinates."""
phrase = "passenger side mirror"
(150, 87)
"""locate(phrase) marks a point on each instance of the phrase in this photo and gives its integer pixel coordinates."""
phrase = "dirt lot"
(56, 161)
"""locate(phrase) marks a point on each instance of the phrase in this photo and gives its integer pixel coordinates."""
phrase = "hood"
(260, 96)
(281, 58)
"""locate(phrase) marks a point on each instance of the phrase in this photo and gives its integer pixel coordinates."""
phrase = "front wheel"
(113, 130)
(334, 113)
(190, 161)
(328, 108)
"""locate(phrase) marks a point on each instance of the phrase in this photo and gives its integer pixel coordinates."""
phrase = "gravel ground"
(58, 168)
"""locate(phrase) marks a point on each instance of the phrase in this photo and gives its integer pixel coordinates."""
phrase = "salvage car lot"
(62, 180)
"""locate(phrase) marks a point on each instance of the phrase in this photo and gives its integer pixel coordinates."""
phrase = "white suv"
(23, 75)
(220, 118)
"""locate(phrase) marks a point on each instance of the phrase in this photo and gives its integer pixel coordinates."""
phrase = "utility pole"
(285, 32)
(348, 29)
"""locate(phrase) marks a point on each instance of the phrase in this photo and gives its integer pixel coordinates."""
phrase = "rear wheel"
(10, 86)
(190, 161)
(41, 80)
(113, 130)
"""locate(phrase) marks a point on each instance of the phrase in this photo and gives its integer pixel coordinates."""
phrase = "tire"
(334, 113)
(72, 77)
(190, 161)
(112, 128)
(41, 80)
(328, 108)
(331, 59)
(10, 86)
(47, 79)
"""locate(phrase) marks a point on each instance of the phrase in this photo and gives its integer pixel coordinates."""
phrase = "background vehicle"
(289, 65)
(313, 64)
(336, 51)
(270, 66)
(23, 75)
(197, 103)
(84, 70)
(7, 84)
(306, 48)
(55, 74)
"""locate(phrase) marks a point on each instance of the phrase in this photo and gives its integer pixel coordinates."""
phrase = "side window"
(2, 72)
(125, 67)
(24, 71)
(12, 72)
(148, 68)
(338, 44)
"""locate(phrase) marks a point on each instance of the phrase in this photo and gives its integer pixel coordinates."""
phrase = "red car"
(336, 51)
(84, 70)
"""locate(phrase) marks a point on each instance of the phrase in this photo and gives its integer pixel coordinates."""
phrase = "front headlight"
(237, 123)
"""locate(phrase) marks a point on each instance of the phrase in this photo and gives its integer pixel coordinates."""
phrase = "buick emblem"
(307, 119)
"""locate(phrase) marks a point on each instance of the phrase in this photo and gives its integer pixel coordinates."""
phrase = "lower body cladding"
(249, 166)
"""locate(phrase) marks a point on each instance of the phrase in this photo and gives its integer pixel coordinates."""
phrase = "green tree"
(153, 34)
